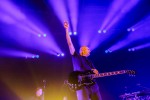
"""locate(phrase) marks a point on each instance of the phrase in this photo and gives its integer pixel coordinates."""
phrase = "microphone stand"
(44, 85)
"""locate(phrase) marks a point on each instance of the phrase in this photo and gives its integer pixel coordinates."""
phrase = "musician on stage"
(81, 63)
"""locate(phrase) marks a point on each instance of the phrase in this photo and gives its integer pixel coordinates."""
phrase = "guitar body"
(78, 79)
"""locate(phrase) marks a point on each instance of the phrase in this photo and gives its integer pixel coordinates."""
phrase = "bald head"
(84, 51)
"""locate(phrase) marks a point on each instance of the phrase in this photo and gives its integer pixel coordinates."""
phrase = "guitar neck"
(108, 74)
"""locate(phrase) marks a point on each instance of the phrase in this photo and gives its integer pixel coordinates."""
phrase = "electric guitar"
(78, 79)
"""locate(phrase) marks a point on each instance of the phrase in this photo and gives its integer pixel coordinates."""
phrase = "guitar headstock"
(131, 72)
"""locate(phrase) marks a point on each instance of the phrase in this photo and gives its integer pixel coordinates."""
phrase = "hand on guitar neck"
(95, 71)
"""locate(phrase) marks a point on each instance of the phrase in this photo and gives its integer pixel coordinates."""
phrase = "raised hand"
(66, 25)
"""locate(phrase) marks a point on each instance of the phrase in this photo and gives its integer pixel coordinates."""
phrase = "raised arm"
(70, 44)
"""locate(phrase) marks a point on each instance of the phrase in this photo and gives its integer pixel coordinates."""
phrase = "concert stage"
(36, 62)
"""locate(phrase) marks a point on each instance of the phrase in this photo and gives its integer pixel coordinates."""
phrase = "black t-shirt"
(81, 63)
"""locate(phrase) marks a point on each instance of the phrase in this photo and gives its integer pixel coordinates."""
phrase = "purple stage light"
(47, 44)
(61, 14)
(58, 54)
(104, 31)
(124, 9)
(91, 16)
(44, 35)
(114, 15)
(8, 7)
(132, 49)
(26, 57)
(129, 49)
(73, 9)
(39, 35)
(70, 33)
(29, 40)
(128, 29)
(33, 56)
(141, 31)
(97, 40)
(37, 56)
(15, 53)
(99, 31)
(75, 33)
(30, 24)
(15, 16)
(116, 5)
(142, 46)
(24, 29)
(12, 15)
(108, 51)
(62, 54)
(133, 29)
(6, 18)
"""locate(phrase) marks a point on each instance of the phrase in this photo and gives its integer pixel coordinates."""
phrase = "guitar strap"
(90, 63)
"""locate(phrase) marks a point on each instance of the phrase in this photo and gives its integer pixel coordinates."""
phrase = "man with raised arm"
(81, 63)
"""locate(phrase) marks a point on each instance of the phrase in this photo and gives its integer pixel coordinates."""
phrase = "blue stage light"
(75, 33)
(39, 35)
(128, 29)
(44, 35)
(133, 29)
(37, 56)
(70, 33)
(62, 54)
(99, 31)
(104, 31)
(33, 56)
(58, 54)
